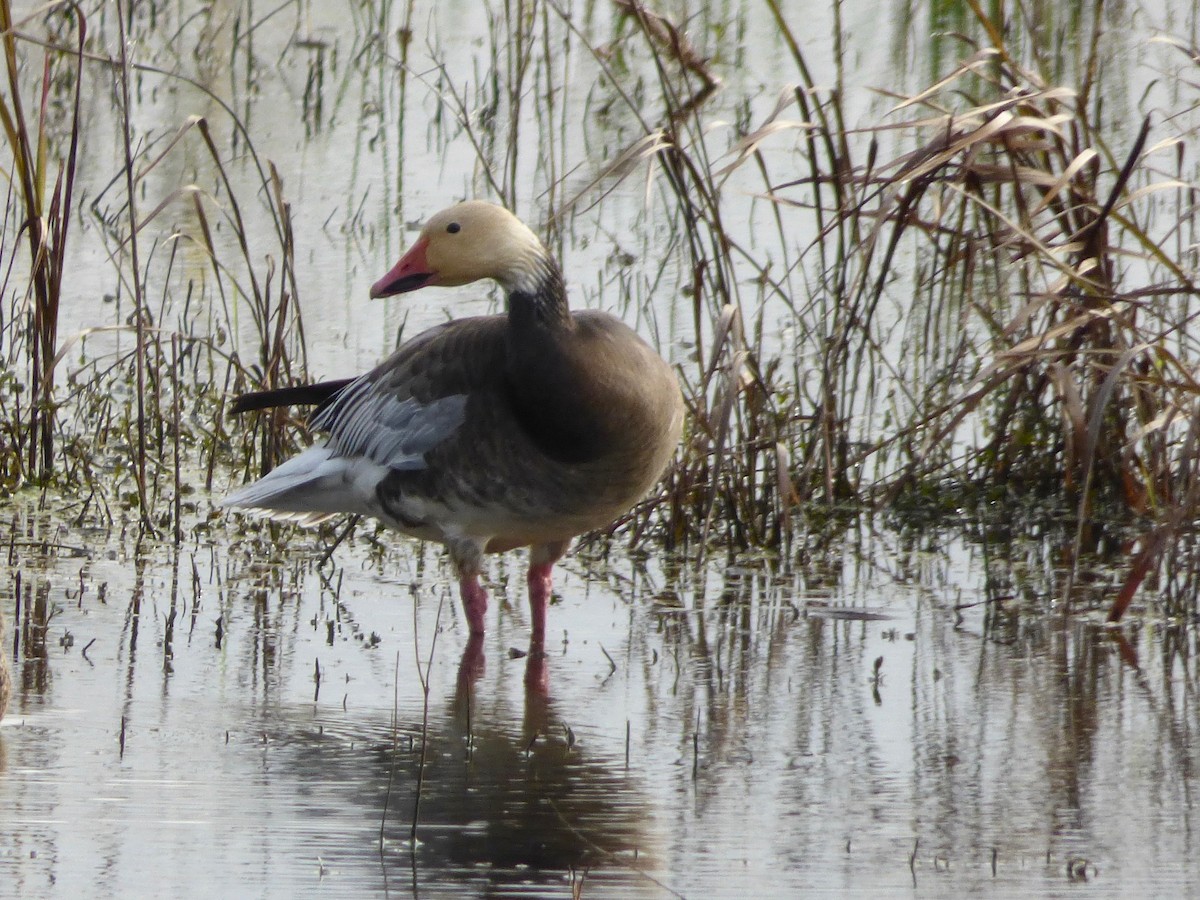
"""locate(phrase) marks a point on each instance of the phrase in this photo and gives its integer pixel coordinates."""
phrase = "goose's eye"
(453, 228)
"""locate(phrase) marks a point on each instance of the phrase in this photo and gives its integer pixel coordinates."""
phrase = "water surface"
(704, 732)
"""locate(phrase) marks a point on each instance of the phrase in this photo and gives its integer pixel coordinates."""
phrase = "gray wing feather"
(366, 420)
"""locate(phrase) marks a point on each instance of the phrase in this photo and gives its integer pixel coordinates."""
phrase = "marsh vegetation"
(929, 284)
(969, 295)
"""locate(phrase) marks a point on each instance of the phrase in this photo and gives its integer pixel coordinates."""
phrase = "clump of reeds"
(134, 412)
(37, 210)
(993, 305)
(1048, 306)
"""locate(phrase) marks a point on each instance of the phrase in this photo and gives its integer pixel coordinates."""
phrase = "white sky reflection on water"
(1034, 740)
(1020, 734)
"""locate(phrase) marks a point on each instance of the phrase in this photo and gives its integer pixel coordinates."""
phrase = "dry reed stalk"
(46, 209)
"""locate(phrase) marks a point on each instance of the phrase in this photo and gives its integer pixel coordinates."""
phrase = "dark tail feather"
(318, 394)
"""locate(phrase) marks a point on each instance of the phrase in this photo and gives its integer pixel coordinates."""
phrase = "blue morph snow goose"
(486, 433)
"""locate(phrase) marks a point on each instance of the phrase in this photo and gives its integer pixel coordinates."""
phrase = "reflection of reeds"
(974, 297)
(5, 668)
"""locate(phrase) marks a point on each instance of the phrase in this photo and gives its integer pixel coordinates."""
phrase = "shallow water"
(706, 736)
(229, 717)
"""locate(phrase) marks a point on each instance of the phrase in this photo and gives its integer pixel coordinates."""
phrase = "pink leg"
(540, 583)
(542, 558)
(474, 601)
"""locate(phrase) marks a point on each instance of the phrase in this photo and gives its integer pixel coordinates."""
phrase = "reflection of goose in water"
(502, 806)
(532, 797)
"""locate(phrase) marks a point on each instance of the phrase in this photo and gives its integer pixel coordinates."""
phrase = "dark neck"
(542, 302)
(544, 375)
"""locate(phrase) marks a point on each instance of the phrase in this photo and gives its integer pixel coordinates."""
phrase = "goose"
(488, 433)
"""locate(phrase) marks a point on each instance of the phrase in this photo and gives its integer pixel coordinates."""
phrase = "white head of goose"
(486, 433)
